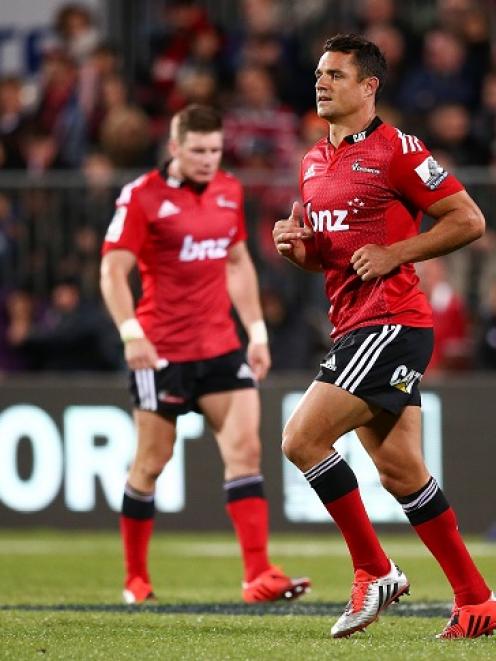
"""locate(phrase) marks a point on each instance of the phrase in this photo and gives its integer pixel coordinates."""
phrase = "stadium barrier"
(66, 443)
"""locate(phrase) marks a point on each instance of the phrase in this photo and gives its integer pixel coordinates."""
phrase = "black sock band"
(244, 487)
(138, 505)
(425, 504)
(332, 478)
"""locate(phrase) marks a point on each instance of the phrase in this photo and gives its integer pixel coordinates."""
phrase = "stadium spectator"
(486, 340)
(101, 64)
(442, 77)
(13, 123)
(39, 150)
(59, 113)
(125, 130)
(193, 85)
(10, 233)
(259, 130)
(72, 335)
(77, 31)
(452, 338)
(393, 44)
(362, 233)
(179, 23)
(449, 133)
(485, 116)
(188, 56)
(18, 312)
(183, 225)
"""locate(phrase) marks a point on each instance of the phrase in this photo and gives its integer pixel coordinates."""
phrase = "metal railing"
(52, 225)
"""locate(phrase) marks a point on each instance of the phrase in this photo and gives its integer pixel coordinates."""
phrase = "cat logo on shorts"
(403, 378)
(330, 363)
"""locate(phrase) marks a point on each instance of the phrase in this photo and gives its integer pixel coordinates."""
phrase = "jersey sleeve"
(417, 176)
(129, 226)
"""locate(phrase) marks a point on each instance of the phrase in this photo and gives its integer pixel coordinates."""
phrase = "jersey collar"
(174, 182)
(361, 135)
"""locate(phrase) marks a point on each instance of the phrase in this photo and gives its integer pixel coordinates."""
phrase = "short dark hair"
(368, 58)
(196, 118)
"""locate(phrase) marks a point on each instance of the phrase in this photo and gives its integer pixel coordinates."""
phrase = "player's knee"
(292, 445)
(152, 467)
(245, 451)
(394, 481)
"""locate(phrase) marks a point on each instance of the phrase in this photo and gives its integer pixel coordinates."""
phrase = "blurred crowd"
(91, 119)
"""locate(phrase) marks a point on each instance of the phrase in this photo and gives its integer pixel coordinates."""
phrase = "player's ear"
(173, 147)
(371, 85)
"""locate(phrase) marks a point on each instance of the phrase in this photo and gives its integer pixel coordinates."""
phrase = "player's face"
(198, 155)
(339, 93)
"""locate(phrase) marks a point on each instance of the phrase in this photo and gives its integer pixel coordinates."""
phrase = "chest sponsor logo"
(356, 167)
(167, 208)
(330, 220)
(431, 173)
(226, 204)
(404, 379)
(192, 250)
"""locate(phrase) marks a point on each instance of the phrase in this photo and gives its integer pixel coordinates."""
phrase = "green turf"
(42, 573)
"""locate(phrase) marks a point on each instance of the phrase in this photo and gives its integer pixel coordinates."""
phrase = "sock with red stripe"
(337, 487)
(435, 523)
(136, 524)
(247, 507)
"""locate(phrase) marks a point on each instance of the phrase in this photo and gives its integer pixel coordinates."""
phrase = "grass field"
(60, 599)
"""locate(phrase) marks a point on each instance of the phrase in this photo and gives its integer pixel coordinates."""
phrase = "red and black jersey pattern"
(181, 237)
(372, 188)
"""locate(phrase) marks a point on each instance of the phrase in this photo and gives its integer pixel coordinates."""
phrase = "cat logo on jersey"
(403, 379)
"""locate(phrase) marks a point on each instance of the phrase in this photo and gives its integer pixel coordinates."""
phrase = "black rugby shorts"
(176, 388)
(381, 364)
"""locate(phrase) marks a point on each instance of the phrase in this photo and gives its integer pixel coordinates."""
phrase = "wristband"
(257, 332)
(130, 329)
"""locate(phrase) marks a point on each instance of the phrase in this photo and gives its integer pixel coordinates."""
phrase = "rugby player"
(364, 189)
(183, 226)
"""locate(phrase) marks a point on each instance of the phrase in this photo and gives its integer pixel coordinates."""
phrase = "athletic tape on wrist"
(257, 332)
(130, 329)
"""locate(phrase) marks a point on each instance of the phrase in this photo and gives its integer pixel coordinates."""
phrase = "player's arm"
(458, 222)
(115, 268)
(294, 240)
(242, 285)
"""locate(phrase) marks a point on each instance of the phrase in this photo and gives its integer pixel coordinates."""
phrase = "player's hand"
(141, 354)
(258, 356)
(290, 233)
(372, 261)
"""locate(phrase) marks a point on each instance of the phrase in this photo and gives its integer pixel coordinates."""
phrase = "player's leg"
(325, 413)
(395, 446)
(156, 437)
(234, 417)
(156, 429)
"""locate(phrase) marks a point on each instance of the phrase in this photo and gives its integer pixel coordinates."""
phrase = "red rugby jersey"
(372, 189)
(180, 238)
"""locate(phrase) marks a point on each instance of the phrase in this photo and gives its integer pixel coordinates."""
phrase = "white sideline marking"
(198, 549)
